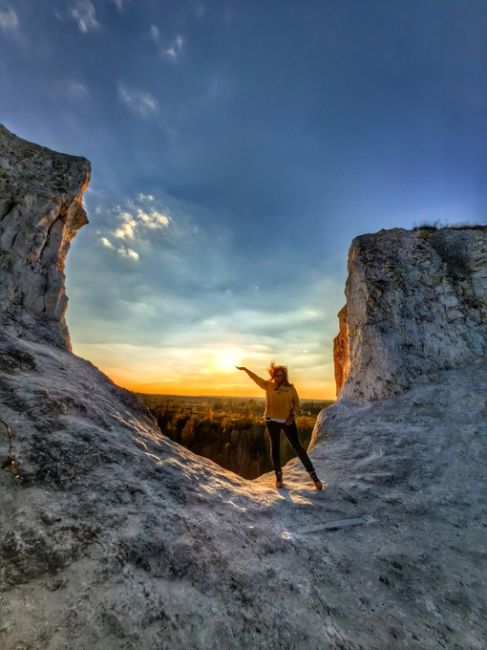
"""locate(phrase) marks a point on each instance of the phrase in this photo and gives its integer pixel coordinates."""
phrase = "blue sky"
(237, 148)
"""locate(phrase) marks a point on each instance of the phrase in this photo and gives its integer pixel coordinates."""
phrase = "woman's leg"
(291, 431)
(274, 430)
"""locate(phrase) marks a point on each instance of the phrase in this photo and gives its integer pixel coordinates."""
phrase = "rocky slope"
(113, 536)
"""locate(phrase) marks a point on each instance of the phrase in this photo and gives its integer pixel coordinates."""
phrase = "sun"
(227, 359)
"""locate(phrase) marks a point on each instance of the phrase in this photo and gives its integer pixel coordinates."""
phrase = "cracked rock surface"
(40, 211)
(416, 302)
(113, 536)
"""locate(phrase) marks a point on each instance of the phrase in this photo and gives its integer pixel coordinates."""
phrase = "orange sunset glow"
(200, 372)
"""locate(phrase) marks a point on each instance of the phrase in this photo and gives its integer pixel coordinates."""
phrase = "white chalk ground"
(117, 537)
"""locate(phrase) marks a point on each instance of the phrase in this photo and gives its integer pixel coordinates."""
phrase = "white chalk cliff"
(113, 536)
(416, 303)
(40, 212)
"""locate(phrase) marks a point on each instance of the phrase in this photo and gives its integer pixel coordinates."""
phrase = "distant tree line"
(230, 434)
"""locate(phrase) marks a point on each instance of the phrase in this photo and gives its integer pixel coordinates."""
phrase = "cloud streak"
(170, 49)
(137, 101)
(127, 229)
(123, 251)
(136, 222)
(84, 14)
(70, 88)
(107, 243)
(175, 48)
(119, 4)
(9, 21)
(76, 91)
(128, 253)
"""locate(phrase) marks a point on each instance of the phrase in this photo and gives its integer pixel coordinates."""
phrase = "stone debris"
(337, 525)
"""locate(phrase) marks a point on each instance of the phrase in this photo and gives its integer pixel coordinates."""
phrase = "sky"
(237, 147)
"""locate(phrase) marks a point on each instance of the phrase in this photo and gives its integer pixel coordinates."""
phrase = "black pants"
(291, 431)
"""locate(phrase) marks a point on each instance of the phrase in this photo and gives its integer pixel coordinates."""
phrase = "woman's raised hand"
(241, 367)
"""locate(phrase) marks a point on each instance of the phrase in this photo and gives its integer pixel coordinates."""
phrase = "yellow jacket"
(280, 401)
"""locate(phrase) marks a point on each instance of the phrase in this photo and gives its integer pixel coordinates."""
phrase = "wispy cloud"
(9, 21)
(84, 13)
(153, 220)
(120, 4)
(127, 229)
(128, 253)
(123, 251)
(145, 197)
(175, 47)
(154, 34)
(139, 102)
(265, 321)
(170, 49)
(107, 243)
(135, 222)
(76, 90)
(70, 88)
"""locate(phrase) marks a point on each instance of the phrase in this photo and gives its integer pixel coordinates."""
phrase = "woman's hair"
(273, 369)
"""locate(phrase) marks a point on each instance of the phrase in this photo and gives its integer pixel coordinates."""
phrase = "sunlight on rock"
(236, 505)
(154, 457)
(300, 499)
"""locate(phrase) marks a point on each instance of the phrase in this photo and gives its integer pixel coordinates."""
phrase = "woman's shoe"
(316, 480)
(279, 483)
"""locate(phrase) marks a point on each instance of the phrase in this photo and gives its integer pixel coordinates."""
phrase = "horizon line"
(302, 398)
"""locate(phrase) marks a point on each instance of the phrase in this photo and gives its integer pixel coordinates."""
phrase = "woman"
(281, 404)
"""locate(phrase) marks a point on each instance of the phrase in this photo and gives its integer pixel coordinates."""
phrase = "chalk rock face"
(416, 304)
(113, 536)
(40, 211)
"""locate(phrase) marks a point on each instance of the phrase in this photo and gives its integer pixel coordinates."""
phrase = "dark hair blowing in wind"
(273, 369)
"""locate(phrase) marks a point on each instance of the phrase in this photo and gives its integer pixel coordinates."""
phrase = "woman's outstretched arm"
(263, 383)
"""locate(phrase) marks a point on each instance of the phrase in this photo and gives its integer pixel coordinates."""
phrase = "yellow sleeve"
(263, 383)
